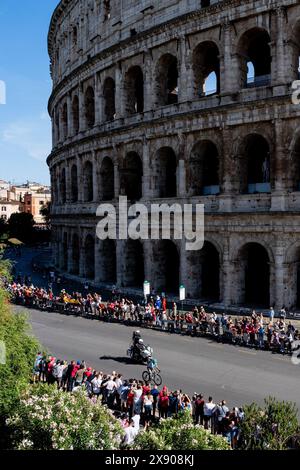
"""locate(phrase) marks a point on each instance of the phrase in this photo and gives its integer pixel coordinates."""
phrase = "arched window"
(65, 120)
(255, 58)
(167, 80)
(88, 182)
(206, 68)
(131, 177)
(254, 165)
(75, 255)
(63, 189)
(134, 90)
(107, 187)
(134, 262)
(89, 100)
(165, 173)
(89, 257)
(203, 169)
(109, 92)
(167, 259)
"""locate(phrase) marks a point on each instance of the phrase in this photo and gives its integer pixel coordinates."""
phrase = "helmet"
(141, 341)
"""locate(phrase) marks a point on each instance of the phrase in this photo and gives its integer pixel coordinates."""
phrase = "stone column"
(229, 177)
(147, 245)
(120, 262)
(70, 253)
(95, 177)
(227, 272)
(227, 84)
(280, 170)
(277, 285)
(183, 275)
(79, 178)
(146, 170)
(68, 183)
(182, 82)
(119, 92)
(69, 117)
(278, 65)
(148, 81)
(97, 261)
(82, 120)
(81, 255)
(98, 101)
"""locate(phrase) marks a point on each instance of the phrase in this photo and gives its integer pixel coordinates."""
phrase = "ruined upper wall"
(80, 29)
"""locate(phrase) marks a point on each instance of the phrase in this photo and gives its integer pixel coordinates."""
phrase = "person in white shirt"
(130, 434)
(136, 419)
(208, 410)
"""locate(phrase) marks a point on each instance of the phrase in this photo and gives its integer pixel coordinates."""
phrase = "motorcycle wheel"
(146, 376)
(157, 379)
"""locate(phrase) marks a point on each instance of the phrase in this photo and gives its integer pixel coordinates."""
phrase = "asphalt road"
(238, 375)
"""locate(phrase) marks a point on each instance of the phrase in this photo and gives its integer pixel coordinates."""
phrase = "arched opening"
(167, 80)
(89, 257)
(107, 187)
(134, 263)
(165, 173)
(65, 120)
(88, 182)
(255, 165)
(89, 101)
(75, 255)
(63, 187)
(206, 67)
(253, 266)
(131, 177)
(75, 114)
(255, 55)
(109, 95)
(134, 90)
(168, 267)
(204, 273)
(203, 169)
(205, 3)
(57, 125)
(294, 44)
(65, 252)
(108, 261)
(74, 184)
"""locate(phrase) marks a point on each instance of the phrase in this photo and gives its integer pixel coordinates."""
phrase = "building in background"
(7, 208)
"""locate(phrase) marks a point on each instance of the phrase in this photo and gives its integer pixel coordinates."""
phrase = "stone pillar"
(278, 62)
(70, 253)
(181, 169)
(227, 272)
(183, 275)
(82, 120)
(119, 92)
(148, 81)
(277, 281)
(95, 177)
(227, 84)
(146, 170)
(120, 262)
(229, 177)
(280, 170)
(182, 82)
(147, 245)
(97, 261)
(68, 183)
(80, 179)
(98, 101)
(81, 255)
(69, 117)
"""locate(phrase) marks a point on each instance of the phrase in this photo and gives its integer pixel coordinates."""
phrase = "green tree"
(21, 226)
(50, 419)
(179, 433)
(46, 212)
(270, 427)
(18, 350)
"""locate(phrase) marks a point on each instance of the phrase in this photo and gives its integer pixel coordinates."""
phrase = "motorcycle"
(140, 356)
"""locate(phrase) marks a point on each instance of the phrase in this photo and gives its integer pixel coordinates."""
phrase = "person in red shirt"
(129, 402)
(163, 404)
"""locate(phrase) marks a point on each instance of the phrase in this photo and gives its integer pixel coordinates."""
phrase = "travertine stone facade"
(180, 100)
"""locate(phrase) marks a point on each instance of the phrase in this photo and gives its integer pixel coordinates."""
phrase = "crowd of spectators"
(138, 404)
(271, 332)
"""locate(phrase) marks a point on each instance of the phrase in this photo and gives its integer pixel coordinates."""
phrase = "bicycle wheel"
(146, 376)
(157, 379)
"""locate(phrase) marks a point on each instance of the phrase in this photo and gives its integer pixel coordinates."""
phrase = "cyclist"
(152, 365)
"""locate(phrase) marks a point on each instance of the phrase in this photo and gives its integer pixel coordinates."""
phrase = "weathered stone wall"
(102, 72)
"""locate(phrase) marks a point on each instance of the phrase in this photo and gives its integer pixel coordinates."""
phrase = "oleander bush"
(179, 433)
(50, 419)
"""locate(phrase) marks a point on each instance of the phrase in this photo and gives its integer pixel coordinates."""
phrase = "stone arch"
(75, 255)
(74, 183)
(166, 82)
(203, 172)
(89, 104)
(294, 44)
(134, 90)
(109, 95)
(253, 274)
(89, 257)
(107, 269)
(254, 58)
(167, 266)
(75, 114)
(206, 69)
(294, 166)
(88, 182)
(254, 164)
(107, 187)
(164, 170)
(134, 273)
(204, 272)
(131, 176)
(292, 265)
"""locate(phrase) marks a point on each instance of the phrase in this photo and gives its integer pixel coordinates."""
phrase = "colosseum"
(188, 101)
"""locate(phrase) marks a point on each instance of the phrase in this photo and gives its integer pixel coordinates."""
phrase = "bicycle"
(152, 376)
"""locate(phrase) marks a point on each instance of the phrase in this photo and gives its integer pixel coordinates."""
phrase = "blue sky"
(25, 131)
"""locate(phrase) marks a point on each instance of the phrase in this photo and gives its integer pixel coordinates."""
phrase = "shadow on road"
(122, 359)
